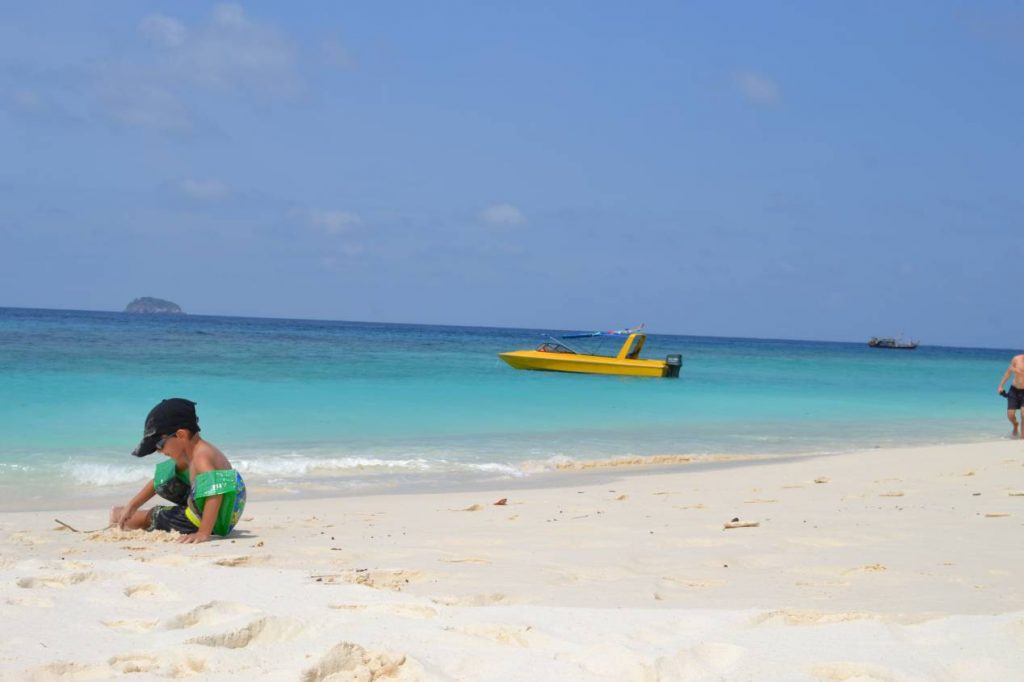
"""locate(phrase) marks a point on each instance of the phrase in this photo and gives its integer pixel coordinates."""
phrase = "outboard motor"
(673, 363)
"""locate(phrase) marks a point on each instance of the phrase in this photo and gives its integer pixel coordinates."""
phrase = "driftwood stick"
(75, 530)
(740, 524)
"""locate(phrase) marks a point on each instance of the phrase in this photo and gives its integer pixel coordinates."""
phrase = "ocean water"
(337, 406)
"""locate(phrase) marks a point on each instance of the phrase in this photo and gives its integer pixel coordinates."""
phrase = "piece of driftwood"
(75, 530)
(740, 524)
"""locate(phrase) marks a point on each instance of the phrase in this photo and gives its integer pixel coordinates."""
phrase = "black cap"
(167, 417)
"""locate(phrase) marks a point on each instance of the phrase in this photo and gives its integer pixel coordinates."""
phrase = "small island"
(150, 305)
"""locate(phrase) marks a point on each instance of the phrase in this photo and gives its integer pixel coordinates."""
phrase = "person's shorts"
(171, 518)
(1015, 398)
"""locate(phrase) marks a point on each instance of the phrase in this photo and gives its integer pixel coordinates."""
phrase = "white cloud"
(757, 88)
(502, 214)
(234, 54)
(174, 64)
(229, 14)
(164, 31)
(132, 98)
(203, 190)
(332, 221)
(228, 54)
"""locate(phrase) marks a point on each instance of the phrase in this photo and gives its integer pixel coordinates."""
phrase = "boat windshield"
(554, 347)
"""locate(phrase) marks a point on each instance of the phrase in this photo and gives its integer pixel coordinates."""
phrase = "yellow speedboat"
(555, 356)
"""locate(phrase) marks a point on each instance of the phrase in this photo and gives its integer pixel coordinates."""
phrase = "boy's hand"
(126, 513)
(193, 538)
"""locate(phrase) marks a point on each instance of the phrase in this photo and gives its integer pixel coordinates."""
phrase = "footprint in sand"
(66, 670)
(843, 671)
(37, 581)
(68, 565)
(465, 560)
(31, 602)
(165, 560)
(393, 580)
(870, 568)
(242, 561)
(710, 660)
(492, 599)
(131, 625)
(163, 664)
(807, 617)
(509, 635)
(210, 613)
(22, 537)
(150, 591)
(262, 630)
(348, 661)
(404, 610)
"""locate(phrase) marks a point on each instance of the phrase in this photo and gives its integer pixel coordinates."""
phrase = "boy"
(208, 494)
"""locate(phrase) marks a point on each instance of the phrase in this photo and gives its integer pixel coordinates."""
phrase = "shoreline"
(878, 565)
(370, 480)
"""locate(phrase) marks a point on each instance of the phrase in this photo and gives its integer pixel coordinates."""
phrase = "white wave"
(305, 466)
(552, 463)
(295, 466)
(95, 473)
(287, 467)
(497, 468)
(14, 467)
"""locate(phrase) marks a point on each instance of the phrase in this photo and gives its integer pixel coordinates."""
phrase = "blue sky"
(795, 170)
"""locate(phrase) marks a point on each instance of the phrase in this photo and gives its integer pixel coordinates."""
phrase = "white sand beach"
(880, 565)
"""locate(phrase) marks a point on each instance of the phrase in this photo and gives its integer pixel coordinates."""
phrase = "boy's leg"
(140, 519)
(171, 519)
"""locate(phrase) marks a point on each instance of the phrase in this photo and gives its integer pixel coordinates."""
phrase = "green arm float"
(169, 483)
(226, 482)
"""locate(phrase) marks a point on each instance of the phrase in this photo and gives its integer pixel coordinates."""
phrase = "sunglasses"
(160, 443)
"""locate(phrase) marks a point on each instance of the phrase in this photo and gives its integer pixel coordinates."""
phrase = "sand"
(887, 564)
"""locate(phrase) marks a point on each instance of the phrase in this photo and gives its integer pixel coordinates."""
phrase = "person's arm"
(1002, 382)
(210, 509)
(143, 496)
(200, 465)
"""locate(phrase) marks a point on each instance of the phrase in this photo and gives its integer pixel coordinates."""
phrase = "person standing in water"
(1014, 396)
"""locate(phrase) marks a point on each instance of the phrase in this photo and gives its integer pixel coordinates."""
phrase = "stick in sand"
(736, 523)
(75, 530)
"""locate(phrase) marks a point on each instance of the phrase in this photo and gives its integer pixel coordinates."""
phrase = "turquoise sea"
(322, 406)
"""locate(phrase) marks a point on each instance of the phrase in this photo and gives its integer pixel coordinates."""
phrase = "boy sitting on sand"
(208, 495)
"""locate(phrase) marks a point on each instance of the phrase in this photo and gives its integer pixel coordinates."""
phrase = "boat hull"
(896, 346)
(584, 364)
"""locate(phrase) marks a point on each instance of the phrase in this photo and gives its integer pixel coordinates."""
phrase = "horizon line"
(464, 326)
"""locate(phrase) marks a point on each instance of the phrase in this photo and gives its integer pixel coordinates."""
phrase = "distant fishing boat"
(557, 356)
(891, 343)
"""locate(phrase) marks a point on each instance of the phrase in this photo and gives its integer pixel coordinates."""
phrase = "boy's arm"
(143, 496)
(200, 465)
(210, 509)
